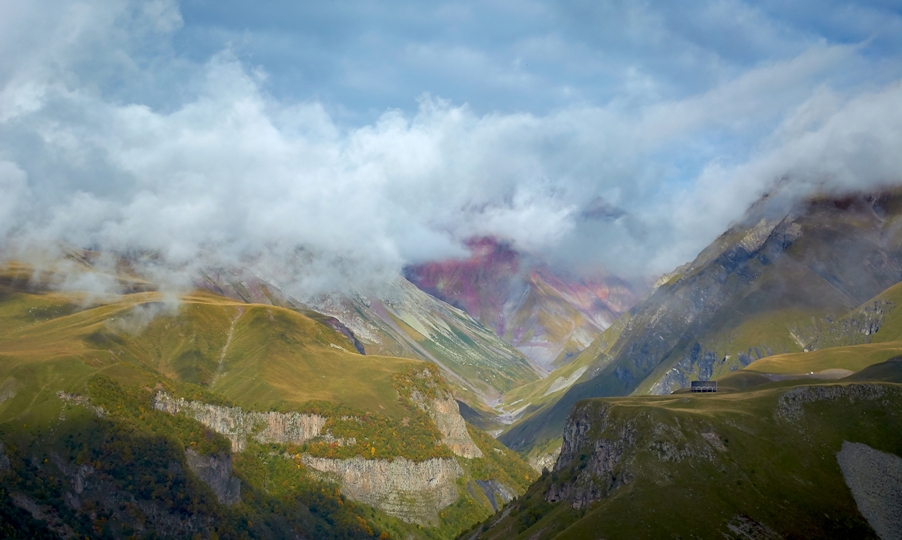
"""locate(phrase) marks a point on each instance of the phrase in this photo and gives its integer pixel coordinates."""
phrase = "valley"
(485, 398)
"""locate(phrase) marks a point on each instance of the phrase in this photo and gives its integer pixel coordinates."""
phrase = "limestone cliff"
(411, 491)
(237, 424)
(544, 460)
(445, 412)
(216, 472)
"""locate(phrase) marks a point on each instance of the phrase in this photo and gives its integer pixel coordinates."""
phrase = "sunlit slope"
(278, 357)
(274, 357)
(867, 335)
(775, 283)
(403, 321)
(755, 464)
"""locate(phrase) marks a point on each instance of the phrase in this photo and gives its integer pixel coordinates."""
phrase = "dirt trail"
(225, 347)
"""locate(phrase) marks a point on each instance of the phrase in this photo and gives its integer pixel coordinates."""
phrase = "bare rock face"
(237, 425)
(216, 472)
(540, 462)
(790, 404)
(414, 492)
(446, 414)
(603, 472)
(875, 479)
(496, 492)
(4, 461)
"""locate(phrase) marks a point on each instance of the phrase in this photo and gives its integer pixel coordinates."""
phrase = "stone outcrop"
(599, 451)
(789, 406)
(237, 424)
(414, 492)
(82, 401)
(603, 471)
(216, 472)
(496, 492)
(875, 479)
(4, 460)
(446, 414)
(540, 462)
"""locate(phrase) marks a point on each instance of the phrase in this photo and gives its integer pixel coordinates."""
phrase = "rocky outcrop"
(237, 424)
(82, 401)
(446, 414)
(4, 460)
(540, 462)
(875, 479)
(597, 460)
(600, 450)
(789, 406)
(216, 472)
(414, 492)
(496, 492)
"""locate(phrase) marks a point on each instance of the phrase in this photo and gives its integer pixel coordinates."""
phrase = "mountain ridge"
(548, 317)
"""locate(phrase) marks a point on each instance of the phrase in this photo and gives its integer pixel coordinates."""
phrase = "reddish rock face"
(547, 316)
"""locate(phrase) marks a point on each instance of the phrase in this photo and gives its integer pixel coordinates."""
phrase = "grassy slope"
(781, 474)
(277, 357)
(271, 358)
(854, 356)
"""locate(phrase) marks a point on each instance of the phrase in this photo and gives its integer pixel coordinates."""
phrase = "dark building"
(704, 386)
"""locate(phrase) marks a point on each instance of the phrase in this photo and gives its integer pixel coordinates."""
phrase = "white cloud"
(227, 174)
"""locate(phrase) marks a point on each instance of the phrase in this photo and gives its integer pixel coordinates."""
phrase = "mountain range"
(239, 410)
(549, 317)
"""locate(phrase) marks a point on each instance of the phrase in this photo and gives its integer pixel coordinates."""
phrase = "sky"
(332, 143)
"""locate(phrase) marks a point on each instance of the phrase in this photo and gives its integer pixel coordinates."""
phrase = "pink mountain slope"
(547, 316)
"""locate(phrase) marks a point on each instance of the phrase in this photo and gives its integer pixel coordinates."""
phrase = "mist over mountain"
(416, 270)
(126, 129)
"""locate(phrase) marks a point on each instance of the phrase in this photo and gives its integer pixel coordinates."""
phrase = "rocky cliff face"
(445, 412)
(216, 472)
(4, 460)
(411, 491)
(237, 424)
(603, 471)
(789, 406)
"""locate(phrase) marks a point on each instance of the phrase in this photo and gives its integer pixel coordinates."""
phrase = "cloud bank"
(111, 138)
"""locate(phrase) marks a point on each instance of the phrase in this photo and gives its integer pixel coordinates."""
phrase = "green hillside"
(66, 358)
(403, 321)
(760, 463)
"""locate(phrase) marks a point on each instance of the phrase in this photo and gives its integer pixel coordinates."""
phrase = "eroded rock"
(790, 404)
(237, 424)
(414, 492)
(875, 479)
(446, 414)
(216, 472)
